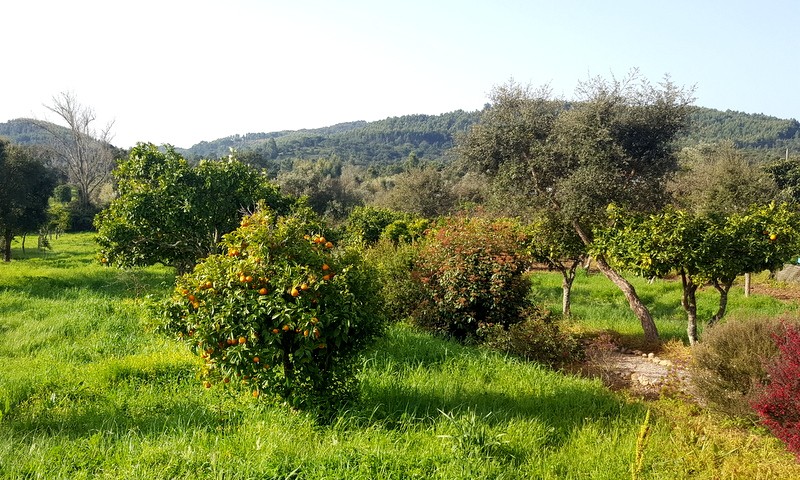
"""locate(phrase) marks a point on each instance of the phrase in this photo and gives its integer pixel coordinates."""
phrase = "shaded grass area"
(86, 391)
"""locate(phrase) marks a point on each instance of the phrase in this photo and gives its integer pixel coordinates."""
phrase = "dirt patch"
(640, 373)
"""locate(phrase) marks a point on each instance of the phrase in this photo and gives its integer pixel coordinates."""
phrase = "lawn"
(87, 390)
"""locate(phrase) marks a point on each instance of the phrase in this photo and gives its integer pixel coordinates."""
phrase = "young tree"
(169, 212)
(25, 187)
(556, 244)
(84, 152)
(613, 145)
(701, 248)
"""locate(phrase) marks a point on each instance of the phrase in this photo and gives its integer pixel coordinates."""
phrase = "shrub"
(778, 406)
(366, 224)
(472, 273)
(729, 363)
(537, 338)
(283, 311)
(394, 263)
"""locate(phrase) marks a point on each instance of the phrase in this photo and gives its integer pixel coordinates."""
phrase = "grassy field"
(87, 391)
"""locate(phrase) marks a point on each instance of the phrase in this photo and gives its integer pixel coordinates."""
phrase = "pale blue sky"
(184, 71)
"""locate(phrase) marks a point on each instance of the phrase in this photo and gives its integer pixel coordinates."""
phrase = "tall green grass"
(598, 305)
(87, 391)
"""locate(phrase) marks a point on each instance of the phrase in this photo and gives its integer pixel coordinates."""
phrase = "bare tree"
(83, 152)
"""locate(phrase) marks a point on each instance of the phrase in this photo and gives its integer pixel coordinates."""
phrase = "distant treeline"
(430, 137)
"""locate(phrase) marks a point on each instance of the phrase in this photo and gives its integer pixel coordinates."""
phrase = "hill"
(430, 137)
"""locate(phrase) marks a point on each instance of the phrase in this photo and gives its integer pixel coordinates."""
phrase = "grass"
(598, 305)
(86, 391)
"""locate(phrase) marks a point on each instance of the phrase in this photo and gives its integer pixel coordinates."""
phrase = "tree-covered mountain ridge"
(431, 137)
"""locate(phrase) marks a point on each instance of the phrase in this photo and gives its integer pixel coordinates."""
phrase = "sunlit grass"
(598, 305)
(87, 391)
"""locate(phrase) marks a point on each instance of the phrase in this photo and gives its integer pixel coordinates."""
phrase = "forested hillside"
(429, 137)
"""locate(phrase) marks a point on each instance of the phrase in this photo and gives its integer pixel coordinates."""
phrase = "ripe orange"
(773, 237)
(242, 340)
(328, 245)
(256, 359)
(304, 287)
(226, 380)
(326, 277)
(275, 330)
(305, 333)
(248, 279)
(255, 393)
(286, 328)
(192, 298)
(325, 266)
(262, 291)
(295, 292)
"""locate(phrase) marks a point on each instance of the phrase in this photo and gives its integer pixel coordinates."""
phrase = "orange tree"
(282, 310)
(168, 211)
(701, 248)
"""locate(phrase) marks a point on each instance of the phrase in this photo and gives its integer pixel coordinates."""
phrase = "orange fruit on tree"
(242, 340)
(304, 287)
(256, 359)
(295, 292)
(255, 393)
(328, 245)
(286, 328)
(262, 291)
(207, 384)
(275, 330)
(325, 266)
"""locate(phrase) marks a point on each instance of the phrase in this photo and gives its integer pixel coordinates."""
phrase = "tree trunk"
(689, 303)
(746, 284)
(24, 236)
(636, 304)
(568, 275)
(7, 237)
(723, 289)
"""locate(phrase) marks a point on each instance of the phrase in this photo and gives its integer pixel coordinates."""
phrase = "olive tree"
(613, 144)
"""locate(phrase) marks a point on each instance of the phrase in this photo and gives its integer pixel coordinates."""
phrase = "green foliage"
(729, 363)
(282, 311)
(422, 191)
(381, 143)
(472, 272)
(321, 183)
(394, 261)
(169, 212)
(25, 188)
(539, 338)
(701, 249)
(365, 225)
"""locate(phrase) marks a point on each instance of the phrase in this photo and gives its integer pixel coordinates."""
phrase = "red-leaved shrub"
(472, 273)
(779, 404)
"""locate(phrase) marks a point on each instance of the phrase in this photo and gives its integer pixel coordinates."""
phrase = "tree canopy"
(172, 213)
(25, 187)
(614, 144)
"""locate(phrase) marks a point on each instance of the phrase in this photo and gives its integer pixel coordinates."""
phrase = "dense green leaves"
(701, 249)
(282, 311)
(25, 187)
(169, 212)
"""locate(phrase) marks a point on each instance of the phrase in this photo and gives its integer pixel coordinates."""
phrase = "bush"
(778, 406)
(537, 338)
(394, 263)
(283, 311)
(729, 363)
(472, 273)
(366, 224)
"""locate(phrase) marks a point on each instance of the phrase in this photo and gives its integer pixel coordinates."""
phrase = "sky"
(180, 72)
